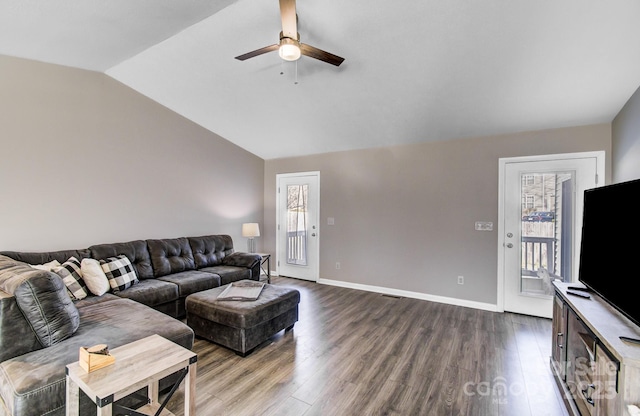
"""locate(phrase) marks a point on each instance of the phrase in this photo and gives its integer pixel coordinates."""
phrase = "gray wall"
(626, 141)
(404, 216)
(85, 160)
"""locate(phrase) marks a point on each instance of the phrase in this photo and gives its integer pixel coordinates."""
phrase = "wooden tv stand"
(597, 373)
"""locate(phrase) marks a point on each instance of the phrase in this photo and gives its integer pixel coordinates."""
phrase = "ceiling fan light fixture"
(289, 49)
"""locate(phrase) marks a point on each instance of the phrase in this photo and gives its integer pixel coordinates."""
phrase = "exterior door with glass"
(297, 244)
(541, 211)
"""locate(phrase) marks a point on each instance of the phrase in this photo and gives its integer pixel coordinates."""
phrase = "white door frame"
(600, 169)
(314, 251)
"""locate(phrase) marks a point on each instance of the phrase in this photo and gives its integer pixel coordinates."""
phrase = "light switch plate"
(484, 226)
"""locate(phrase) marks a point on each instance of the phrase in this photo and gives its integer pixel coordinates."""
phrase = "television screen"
(610, 251)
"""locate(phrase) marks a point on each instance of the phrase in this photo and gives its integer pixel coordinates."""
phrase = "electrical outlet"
(460, 280)
(338, 265)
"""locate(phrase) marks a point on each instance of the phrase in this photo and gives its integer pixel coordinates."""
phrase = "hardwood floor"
(362, 353)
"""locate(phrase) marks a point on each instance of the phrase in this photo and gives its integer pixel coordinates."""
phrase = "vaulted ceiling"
(414, 71)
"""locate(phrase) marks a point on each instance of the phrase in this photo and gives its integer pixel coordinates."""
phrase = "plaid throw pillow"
(120, 272)
(71, 275)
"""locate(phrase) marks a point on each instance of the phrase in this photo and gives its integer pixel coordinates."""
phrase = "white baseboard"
(408, 294)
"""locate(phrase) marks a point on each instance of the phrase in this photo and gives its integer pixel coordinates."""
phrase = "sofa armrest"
(16, 336)
(238, 259)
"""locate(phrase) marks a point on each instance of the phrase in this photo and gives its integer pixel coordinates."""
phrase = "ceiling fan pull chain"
(296, 82)
(281, 67)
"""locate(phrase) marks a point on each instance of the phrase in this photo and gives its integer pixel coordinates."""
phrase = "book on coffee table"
(243, 290)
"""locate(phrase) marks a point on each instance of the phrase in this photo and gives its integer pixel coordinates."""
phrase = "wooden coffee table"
(139, 364)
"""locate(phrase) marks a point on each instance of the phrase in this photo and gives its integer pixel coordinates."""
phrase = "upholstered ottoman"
(242, 325)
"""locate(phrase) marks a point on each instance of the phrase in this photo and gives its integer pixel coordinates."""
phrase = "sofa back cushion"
(42, 297)
(170, 255)
(46, 257)
(136, 252)
(209, 250)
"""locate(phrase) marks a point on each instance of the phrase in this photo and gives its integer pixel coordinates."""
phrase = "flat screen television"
(610, 246)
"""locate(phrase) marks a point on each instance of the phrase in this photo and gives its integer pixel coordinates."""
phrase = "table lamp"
(251, 230)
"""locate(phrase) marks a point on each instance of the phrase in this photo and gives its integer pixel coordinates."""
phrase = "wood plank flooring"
(362, 353)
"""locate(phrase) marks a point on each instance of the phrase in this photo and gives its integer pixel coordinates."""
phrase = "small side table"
(138, 364)
(266, 258)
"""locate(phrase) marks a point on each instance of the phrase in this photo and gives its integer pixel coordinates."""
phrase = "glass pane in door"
(546, 237)
(297, 224)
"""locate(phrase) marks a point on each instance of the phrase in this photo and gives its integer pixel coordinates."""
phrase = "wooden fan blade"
(258, 52)
(316, 53)
(289, 19)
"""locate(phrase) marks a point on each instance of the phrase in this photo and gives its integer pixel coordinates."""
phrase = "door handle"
(509, 245)
(587, 396)
(313, 234)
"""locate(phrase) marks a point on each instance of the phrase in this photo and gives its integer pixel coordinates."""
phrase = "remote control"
(631, 340)
(582, 288)
(581, 294)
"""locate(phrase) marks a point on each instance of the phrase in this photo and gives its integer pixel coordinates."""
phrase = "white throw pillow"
(47, 266)
(94, 277)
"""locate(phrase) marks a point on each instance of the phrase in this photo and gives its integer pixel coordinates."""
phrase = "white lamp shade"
(250, 229)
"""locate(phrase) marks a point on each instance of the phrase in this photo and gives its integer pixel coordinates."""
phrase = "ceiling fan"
(290, 48)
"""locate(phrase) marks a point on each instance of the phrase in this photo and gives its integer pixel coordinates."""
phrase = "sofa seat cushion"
(34, 383)
(192, 281)
(151, 292)
(90, 300)
(170, 255)
(229, 274)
